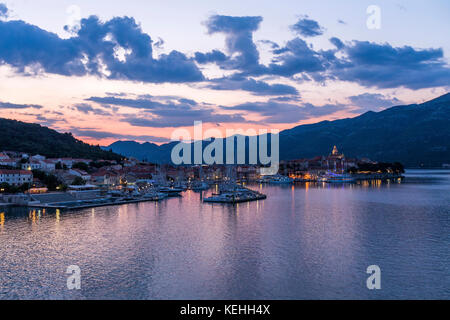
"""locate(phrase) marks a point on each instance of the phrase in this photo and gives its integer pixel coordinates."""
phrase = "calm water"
(303, 242)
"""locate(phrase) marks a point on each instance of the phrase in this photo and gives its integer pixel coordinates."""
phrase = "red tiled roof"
(22, 172)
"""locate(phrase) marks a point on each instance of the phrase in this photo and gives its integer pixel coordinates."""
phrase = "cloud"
(8, 105)
(243, 52)
(3, 11)
(337, 42)
(272, 44)
(373, 101)
(257, 87)
(275, 111)
(307, 27)
(162, 112)
(49, 121)
(159, 44)
(142, 103)
(98, 134)
(182, 119)
(295, 57)
(384, 66)
(366, 63)
(119, 49)
(114, 49)
(87, 108)
(215, 56)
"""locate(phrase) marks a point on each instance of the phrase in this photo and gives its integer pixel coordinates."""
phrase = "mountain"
(416, 135)
(143, 151)
(36, 139)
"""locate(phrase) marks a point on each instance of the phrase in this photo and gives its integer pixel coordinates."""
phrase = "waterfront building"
(15, 177)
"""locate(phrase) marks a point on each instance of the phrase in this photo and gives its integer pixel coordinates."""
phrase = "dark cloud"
(159, 44)
(281, 112)
(337, 42)
(119, 49)
(257, 87)
(307, 27)
(117, 45)
(167, 111)
(3, 10)
(366, 63)
(87, 108)
(8, 105)
(373, 101)
(23, 45)
(182, 119)
(296, 57)
(215, 56)
(272, 44)
(239, 41)
(188, 101)
(384, 66)
(98, 134)
(141, 103)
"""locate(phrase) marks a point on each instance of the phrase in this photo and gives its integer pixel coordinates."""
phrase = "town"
(37, 181)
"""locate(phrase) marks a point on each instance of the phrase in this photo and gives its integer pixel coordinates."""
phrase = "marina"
(309, 240)
(229, 191)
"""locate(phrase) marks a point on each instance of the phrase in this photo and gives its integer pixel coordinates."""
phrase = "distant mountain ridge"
(416, 135)
(35, 139)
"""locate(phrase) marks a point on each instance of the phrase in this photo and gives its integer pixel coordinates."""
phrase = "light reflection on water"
(306, 241)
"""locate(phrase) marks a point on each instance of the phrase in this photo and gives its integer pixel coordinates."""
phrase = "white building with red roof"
(15, 177)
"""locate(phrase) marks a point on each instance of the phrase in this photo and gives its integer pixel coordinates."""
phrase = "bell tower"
(335, 151)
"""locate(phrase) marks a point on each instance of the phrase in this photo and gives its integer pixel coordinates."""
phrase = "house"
(130, 162)
(48, 165)
(104, 177)
(80, 173)
(68, 162)
(5, 160)
(32, 165)
(4, 156)
(15, 177)
(38, 157)
(86, 161)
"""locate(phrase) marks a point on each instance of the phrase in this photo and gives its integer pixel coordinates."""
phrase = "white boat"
(279, 179)
(233, 193)
(337, 178)
(231, 197)
(170, 191)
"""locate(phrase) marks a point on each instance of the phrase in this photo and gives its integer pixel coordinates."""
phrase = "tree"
(81, 165)
(50, 180)
(78, 181)
(4, 187)
(36, 139)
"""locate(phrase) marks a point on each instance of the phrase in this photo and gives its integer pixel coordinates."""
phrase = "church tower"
(335, 151)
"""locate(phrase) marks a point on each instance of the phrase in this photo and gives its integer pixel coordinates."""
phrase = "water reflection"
(310, 240)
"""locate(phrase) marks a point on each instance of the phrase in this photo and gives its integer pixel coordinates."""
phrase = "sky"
(139, 70)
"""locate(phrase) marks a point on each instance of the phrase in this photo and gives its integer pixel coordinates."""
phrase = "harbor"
(135, 181)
